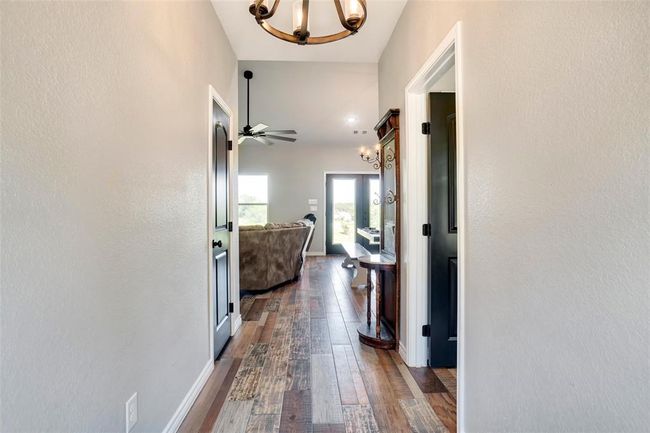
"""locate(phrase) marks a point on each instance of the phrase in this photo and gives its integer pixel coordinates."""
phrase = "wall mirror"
(389, 194)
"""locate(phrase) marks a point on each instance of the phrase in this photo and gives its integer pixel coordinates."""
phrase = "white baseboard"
(315, 253)
(403, 353)
(236, 324)
(180, 414)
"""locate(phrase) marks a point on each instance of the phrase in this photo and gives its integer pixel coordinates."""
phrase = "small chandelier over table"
(352, 15)
(366, 155)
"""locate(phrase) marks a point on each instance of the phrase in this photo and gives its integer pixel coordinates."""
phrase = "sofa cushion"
(272, 226)
(250, 228)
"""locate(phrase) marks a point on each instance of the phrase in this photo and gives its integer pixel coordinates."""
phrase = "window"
(253, 199)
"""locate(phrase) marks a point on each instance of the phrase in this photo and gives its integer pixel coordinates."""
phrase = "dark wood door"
(348, 207)
(221, 234)
(443, 243)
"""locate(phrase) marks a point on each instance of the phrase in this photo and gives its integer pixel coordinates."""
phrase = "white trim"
(325, 173)
(315, 253)
(234, 244)
(236, 323)
(402, 351)
(415, 156)
(189, 399)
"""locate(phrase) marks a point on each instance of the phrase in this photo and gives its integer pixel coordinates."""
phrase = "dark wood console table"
(375, 333)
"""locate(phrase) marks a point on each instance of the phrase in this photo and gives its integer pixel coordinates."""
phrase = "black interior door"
(221, 234)
(443, 259)
(348, 201)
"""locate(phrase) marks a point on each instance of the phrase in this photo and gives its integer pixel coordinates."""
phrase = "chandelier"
(375, 159)
(367, 156)
(352, 15)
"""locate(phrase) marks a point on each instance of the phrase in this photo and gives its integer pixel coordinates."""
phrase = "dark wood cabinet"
(386, 265)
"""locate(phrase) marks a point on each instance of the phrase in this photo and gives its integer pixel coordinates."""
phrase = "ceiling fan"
(259, 131)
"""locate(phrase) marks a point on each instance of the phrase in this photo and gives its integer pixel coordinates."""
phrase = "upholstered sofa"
(272, 255)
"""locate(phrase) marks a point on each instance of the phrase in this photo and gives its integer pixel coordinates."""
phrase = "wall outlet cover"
(312, 201)
(313, 208)
(131, 412)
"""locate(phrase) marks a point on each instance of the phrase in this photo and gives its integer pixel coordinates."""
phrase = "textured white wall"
(557, 175)
(296, 174)
(104, 252)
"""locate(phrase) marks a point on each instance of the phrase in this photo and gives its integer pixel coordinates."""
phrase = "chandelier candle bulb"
(297, 17)
(352, 12)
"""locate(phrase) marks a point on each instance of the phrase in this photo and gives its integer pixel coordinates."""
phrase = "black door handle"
(217, 244)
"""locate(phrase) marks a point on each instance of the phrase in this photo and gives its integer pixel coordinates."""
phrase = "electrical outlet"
(313, 208)
(312, 201)
(131, 412)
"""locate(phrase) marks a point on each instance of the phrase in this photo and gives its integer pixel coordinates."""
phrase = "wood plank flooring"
(296, 365)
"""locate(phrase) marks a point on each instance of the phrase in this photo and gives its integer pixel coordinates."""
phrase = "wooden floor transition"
(296, 365)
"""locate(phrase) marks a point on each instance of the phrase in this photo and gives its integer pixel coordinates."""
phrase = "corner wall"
(104, 204)
(556, 138)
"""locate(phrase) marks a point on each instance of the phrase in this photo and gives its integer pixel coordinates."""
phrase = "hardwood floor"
(296, 365)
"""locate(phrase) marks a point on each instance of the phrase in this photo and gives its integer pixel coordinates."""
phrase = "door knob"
(217, 244)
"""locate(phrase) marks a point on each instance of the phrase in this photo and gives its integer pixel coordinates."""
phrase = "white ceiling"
(323, 102)
(251, 42)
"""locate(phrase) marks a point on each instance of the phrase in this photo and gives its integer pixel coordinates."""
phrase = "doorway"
(220, 227)
(351, 203)
(444, 66)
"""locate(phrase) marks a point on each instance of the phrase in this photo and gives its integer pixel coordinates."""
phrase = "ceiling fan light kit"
(259, 131)
(352, 15)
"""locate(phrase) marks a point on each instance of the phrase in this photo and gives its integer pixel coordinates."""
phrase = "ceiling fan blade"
(282, 131)
(264, 141)
(277, 137)
(241, 139)
(259, 127)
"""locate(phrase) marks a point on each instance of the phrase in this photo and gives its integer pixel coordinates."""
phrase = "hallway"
(296, 365)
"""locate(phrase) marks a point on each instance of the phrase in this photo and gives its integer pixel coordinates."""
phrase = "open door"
(443, 260)
(221, 233)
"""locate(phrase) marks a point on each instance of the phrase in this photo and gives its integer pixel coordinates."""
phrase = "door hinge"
(230, 226)
(229, 144)
(426, 229)
(426, 330)
(426, 128)
(231, 307)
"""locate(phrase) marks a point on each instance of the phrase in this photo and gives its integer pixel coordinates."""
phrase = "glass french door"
(351, 203)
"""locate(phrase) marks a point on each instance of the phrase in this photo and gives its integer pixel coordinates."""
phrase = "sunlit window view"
(375, 209)
(253, 200)
(343, 211)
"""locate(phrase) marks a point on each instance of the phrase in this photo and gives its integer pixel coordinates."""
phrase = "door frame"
(415, 209)
(233, 261)
(324, 204)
